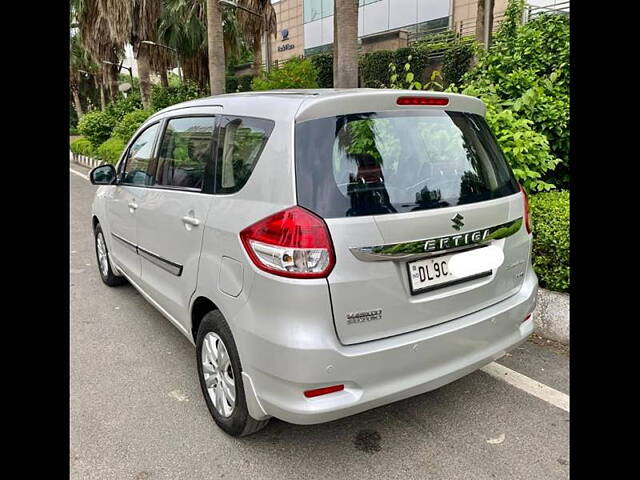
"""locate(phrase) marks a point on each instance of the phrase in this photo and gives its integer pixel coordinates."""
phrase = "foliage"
(126, 127)
(550, 218)
(81, 146)
(457, 60)
(324, 66)
(123, 105)
(110, 150)
(96, 127)
(162, 97)
(526, 150)
(374, 68)
(241, 83)
(527, 69)
(294, 73)
(407, 80)
(73, 131)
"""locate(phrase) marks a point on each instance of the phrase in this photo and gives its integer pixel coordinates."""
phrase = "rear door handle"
(191, 220)
(132, 206)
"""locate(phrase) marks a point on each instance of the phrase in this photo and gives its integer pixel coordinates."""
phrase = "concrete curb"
(83, 160)
(551, 316)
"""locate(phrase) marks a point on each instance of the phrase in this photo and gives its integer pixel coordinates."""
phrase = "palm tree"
(80, 63)
(345, 44)
(183, 26)
(96, 37)
(481, 17)
(256, 27)
(215, 44)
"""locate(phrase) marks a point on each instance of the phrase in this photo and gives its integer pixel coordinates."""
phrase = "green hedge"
(110, 150)
(324, 66)
(96, 127)
(294, 73)
(374, 66)
(81, 146)
(457, 60)
(162, 97)
(126, 127)
(550, 218)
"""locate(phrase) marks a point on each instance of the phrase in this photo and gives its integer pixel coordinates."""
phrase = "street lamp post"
(149, 42)
(267, 60)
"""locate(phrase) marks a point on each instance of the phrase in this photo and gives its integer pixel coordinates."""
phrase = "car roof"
(306, 104)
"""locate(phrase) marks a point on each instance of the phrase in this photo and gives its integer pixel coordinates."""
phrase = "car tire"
(104, 264)
(217, 372)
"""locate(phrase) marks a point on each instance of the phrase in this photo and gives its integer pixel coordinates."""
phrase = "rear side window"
(185, 151)
(240, 144)
(379, 163)
(138, 164)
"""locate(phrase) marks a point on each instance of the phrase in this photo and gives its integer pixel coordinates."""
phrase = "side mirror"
(103, 175)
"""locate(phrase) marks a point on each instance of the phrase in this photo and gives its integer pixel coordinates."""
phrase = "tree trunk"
(215, 48)
(480, 22)
(257, 56)
(345, 44)
(105, 90)
(113, 82)
(489, 13)
(144, 74)
(164, 79)
(77, 104)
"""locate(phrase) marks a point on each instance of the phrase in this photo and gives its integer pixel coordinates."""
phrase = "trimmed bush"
(162, 97)
(324, 66)
(244, 82)
(550, 218)
(457, 61)
(81, 146)
(374, 68)
(110, 150)
(294, 73)
(230, 84)
(126, 127)
(123, 105)
(96, 127)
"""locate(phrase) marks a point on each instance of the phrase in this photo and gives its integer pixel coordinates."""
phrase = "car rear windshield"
(378, 163)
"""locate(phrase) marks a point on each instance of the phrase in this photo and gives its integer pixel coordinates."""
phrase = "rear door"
(171, 220)
(403, 187)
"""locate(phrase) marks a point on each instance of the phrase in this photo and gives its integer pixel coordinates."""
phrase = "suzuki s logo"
(457, 221)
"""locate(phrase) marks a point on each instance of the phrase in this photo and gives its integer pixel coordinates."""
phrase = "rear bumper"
(377, 372)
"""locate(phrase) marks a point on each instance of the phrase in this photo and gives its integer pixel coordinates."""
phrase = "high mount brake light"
(423, 101)
(527, 216)
(291, 243)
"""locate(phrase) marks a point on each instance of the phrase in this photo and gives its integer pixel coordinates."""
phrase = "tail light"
(527, 217)
(292, 243)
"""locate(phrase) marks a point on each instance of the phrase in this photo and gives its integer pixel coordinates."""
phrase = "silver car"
(326, 251)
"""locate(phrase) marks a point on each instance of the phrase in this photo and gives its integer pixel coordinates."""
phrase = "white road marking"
(529, 385)
(79, 174)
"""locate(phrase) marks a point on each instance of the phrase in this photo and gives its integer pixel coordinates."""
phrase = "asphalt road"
(137, 412)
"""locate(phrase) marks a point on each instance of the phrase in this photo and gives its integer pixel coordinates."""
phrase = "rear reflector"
(323, 391)
(422, 101)
(526, 318)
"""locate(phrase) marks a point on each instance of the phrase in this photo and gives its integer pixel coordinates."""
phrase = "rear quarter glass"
(381, 163)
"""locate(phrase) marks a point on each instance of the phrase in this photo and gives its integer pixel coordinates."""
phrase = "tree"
(215, 44)
(255, 27)
(183, 26)
(345, 44)
(97, 38)
(80, 63)
(485, 9)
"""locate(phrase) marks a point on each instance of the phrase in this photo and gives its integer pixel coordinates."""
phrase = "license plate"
(432, 273)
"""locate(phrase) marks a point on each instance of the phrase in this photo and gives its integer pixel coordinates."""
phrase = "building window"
(317, 9)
